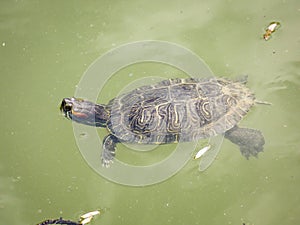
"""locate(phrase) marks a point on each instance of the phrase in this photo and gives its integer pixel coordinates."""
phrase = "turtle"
(171, 111)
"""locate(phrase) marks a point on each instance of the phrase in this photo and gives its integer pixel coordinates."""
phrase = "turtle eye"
(67, 108)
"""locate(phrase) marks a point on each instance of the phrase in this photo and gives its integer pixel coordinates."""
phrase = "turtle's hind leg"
(109, 150)
(250, 141)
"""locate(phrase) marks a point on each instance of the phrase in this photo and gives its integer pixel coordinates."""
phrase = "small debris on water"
(90, 214)
(271, 29)
(3, 44)
(87, 217)
(86, 220)
(202, 152)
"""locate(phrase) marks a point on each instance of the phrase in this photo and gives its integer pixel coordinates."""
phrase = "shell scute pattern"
(179, 110)
(183, 92)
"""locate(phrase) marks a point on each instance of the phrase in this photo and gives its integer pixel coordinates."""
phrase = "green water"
(46, 46)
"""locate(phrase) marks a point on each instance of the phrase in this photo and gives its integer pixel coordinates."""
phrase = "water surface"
(45, 48)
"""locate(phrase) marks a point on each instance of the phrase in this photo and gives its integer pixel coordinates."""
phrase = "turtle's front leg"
(109, 150)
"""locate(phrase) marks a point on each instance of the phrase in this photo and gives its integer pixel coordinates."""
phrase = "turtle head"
(84, 112)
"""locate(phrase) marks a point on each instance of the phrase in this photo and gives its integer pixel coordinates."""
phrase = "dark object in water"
(59, 221)
(84, 219)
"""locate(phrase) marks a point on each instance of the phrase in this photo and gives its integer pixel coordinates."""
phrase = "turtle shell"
(179, 110)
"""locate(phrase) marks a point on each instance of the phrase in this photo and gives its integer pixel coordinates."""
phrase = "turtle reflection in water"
(171, 111)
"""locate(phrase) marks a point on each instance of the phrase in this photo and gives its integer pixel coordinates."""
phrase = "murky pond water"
(45, 49)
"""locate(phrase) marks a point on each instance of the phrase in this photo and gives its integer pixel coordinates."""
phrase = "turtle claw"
(106, 163)
(247, 151)
(109, 150)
